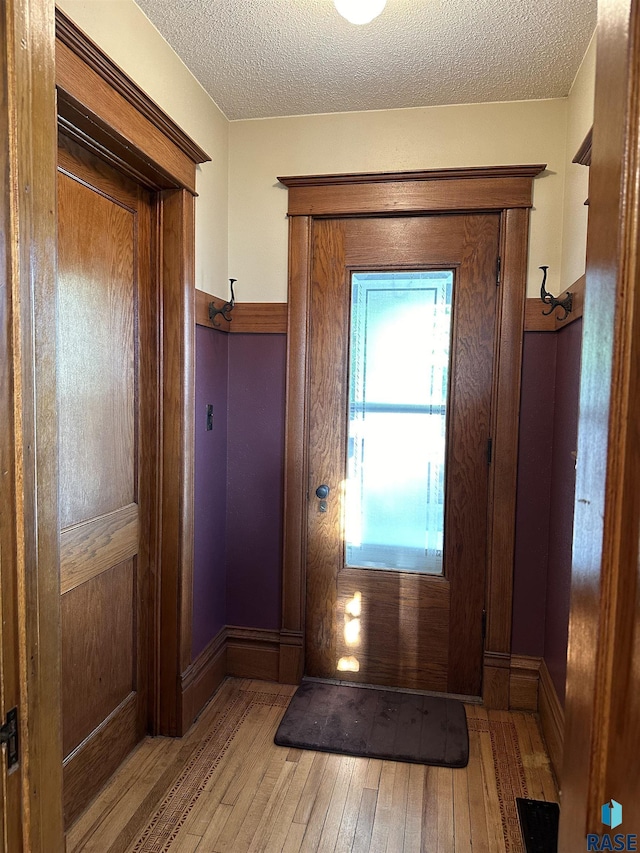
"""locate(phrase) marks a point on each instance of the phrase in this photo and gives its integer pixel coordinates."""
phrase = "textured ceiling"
(259, 58)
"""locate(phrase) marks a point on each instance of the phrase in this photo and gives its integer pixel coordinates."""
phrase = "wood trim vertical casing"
(413, 194)
(603, 684)
(11, 567)
(28, 250)
(296, 430)
(178, 382)
(502, 484)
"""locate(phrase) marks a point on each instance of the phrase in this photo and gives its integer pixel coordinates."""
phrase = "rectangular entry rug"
(539, 820)
(376, 723)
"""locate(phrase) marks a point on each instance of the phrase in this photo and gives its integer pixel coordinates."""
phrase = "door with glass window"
(403, 326)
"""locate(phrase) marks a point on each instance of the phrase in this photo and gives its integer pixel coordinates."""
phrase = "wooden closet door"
(104, 282)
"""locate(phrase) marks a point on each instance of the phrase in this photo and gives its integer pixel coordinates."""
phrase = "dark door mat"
(539, 822)
(376, 723)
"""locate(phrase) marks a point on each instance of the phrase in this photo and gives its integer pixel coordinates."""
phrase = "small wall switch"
(209, 417)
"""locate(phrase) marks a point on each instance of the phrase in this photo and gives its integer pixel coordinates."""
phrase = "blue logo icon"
(612, 814)
(612, 817)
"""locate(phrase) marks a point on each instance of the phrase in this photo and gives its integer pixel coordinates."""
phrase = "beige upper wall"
(579, 121)
(426, 138)
(241, 228)
(122, 30)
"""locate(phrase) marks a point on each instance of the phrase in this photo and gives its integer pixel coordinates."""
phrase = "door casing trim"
(507, 189)
(116, 125)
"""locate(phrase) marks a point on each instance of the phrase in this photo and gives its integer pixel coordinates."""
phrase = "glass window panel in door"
(400, 333)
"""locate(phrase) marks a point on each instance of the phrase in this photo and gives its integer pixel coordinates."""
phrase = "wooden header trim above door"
(101, 108)
(83, 47)
(431, 190)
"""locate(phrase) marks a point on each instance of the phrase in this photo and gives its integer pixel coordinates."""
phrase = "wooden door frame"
(102, 109)
(29, 541)
(506, 190)
(602, 710)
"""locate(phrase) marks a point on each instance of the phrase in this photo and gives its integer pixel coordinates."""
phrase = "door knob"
(322, 491)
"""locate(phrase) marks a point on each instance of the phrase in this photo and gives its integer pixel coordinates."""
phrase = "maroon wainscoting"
(209, 572)
(255, 458)
(533, 499)
(563, 481)
(545, 497)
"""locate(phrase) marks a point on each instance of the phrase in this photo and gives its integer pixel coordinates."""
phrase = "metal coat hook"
(226, 309)
(550, 300)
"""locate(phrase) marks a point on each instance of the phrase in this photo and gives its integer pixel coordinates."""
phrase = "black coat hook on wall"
(550, 300)
(226, 309)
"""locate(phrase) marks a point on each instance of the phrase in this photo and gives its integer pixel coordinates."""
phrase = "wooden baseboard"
(267, 655)
(495, 680)
(551, 719)
(253, 653)
(202, 678)
(524, 678)
(291, 657)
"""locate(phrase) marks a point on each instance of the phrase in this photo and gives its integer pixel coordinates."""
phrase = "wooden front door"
(412, 617)
(107, 466)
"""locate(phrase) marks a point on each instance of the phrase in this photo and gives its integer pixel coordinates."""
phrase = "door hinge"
(498, 268)
(9, 735)
(489, 450)
(484, 625)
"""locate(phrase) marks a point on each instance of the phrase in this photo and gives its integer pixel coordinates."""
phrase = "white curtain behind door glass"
(398, 386)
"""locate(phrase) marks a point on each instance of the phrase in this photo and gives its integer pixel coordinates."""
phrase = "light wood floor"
(227, 787)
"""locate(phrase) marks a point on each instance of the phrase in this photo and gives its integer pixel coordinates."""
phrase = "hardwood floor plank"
(186, 843)
(200, 817)
(398, 816)
(366, 817)
(307, 799)
(533, 776)
(446, 838)
(274, 804)
(461, 811)
(538, 757)
(258, 731)
(294, 838)
(283, 819)
(318, 814)
(476, 788)
(429, 817)
(346, 833)
(251, 804)
(415, 796)
(331, 827)
(380, 832)
(373, 774)
(217, 824)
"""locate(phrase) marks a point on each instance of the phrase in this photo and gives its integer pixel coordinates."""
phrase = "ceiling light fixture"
(360, 11)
